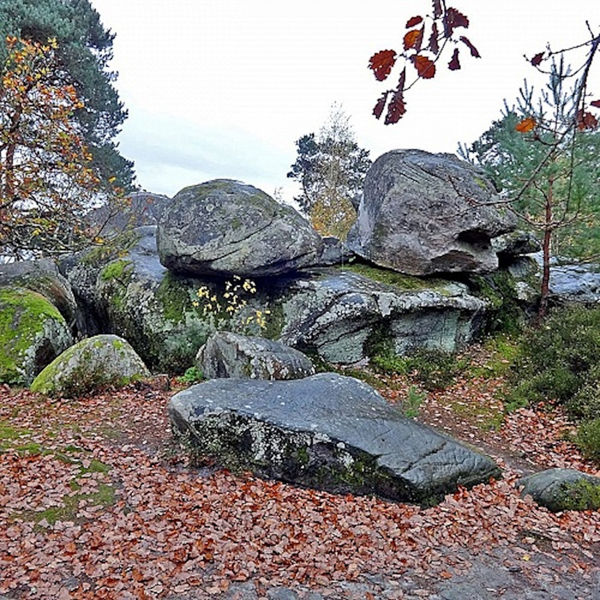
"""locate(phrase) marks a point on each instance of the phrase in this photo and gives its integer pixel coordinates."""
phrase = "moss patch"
(23, 314)
(581, 495)
(389, 277)
(119, 269)
(174, 298)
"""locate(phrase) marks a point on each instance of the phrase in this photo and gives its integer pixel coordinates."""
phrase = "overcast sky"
(223, 88)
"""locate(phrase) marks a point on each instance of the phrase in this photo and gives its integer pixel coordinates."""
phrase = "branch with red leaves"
(440, 28)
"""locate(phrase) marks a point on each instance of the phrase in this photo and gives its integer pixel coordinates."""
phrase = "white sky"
(223, 88)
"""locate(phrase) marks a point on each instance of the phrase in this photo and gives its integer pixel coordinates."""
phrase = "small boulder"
(42, 276)
(563, 489)
(326, 431)
(428, 213)
(516, 243)
(227, 354)
(32, 334)
(226, 227)
(91, 364)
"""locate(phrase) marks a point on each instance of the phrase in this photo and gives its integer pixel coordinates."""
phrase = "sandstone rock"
(575, 283)
(516, 243)
(42, 276)
(225, 227)
(91, 364)
(227, 354)
(338, 313)
(32, 334)
(325, 431)
(428, 213)
(563, 489)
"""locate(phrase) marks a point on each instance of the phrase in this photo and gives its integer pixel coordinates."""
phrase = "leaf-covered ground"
(95, 502)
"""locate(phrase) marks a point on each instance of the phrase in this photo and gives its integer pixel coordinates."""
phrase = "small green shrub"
(585, 404)
(588, 439)
(434, 369)
(191, 376)
(414, 399)
(558, 359)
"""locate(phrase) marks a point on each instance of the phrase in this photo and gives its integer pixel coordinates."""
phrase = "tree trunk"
(546, 248)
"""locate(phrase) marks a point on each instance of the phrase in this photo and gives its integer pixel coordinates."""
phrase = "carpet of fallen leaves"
(95, 502)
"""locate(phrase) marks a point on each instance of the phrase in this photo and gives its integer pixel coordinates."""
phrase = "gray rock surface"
(91, 363)
(32, 334)
(225, 227)
(334, 253)
(338, 314)
(325, 431)
(516, 243)
(563, 489)
(428, 213)
(575, 283)
(227, 354)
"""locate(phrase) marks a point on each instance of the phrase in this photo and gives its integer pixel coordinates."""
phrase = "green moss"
(8, 432)
(119, 269)
(174, 298)
(503, 353)
(588, 439)
(104, 497)
(581, 495)
(22, 317)
(393, 278)
(505, 315)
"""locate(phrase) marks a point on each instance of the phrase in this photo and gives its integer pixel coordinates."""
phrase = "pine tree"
(84, 52)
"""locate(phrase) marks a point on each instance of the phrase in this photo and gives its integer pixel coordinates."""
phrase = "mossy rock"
(91, 364)
(32, 334)
(563, 489)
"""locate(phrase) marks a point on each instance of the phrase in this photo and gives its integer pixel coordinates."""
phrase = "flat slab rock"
(326, 431)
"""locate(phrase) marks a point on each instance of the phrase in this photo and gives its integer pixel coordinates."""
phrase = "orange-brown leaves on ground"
(425, 67)
(381, 63)
(526, 125)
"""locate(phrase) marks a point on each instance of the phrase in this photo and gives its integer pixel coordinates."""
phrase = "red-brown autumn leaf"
(397, 106)
(413, 39)
(586, 120)
(381, 63)
(467, 42)
(525, 125)
(454, 19)
(454, 63)
(413, 21)
(433, 39)
(537, 59)
(595, 103)
(425, 67)
(378, 109)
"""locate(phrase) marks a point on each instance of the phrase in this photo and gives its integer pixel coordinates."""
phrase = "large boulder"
(341, 313)
(43, 276)
(563, 489)
(575, 283)
(227, 354)
(89, 365)
(325, 431)
(226, 227)
(32, 334)
(428, 213)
